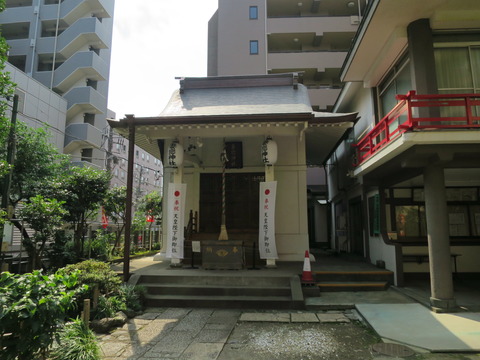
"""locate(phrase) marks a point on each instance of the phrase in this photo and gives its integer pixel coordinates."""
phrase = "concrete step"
(211, 290)
(380, 275)
(225, 302)
(222, 290)
(353, 286)
(216, 280)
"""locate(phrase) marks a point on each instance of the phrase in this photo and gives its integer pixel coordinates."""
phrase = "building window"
(87, 155)
(253, 47)
(396, 82)
(253, 12)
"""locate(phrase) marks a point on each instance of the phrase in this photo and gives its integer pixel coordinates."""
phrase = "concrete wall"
(235, 30)
(40, 106)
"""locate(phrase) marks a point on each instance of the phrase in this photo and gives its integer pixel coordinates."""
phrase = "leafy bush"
(98, 273)
(133, 296)
(107, 307)
(100, 245)
(32, 307)
(77, 342)
(62, 251)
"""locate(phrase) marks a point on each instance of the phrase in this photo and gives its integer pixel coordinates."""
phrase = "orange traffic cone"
(307, 276)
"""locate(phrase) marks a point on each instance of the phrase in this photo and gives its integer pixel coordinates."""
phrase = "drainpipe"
(37, 10)
(55, 46)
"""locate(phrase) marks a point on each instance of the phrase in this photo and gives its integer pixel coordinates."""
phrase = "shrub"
(32, 307)
(77, 342)
(62, 251)
(100, 245)
(98, 273)
(107, 307)
(133, 296)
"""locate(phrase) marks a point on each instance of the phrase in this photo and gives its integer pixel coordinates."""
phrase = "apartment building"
(311, 37)
(147, 169)
(65, 45)
(407, 179)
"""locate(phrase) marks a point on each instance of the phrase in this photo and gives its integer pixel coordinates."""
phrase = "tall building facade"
(65, 45)
(311, 37)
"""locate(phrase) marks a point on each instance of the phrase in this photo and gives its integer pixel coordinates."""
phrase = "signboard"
(175, 221)
(266, 236)
(196, 246)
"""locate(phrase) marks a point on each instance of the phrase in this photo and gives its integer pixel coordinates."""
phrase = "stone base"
(222, 254)
(176, 263)
(443, 305)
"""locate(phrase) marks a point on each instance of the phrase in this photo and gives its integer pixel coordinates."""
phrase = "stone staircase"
(372, 280)
(222, 291)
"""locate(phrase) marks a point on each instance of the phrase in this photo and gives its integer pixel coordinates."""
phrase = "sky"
(155, 41)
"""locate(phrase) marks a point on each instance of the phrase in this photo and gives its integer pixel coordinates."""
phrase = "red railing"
(446, 111)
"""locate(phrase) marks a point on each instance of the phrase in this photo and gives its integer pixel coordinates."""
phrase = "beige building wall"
(310, 37)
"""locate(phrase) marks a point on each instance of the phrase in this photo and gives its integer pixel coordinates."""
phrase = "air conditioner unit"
(354, 20)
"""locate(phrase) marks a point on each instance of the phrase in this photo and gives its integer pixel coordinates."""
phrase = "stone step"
(352, 286)
(381, 275)
(225, 291)
(212, 290)
(240, 302)
(212, 280)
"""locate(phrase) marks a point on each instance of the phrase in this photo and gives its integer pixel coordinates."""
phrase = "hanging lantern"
(269, 151)
(175, 154)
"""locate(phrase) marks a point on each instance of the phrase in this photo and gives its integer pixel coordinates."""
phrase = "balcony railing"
(420, 112)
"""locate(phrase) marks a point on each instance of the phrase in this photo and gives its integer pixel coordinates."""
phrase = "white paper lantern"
(269, 151)
(175, 154)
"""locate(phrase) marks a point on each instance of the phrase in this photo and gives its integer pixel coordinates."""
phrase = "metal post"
(128, 210)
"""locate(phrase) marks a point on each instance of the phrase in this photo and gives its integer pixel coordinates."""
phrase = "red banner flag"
(104, 218)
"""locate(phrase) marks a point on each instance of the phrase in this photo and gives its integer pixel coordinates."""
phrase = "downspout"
(37, 8)
(55, 46)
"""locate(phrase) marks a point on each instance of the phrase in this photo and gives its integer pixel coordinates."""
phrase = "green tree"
(45, 217)
(85, 188)
(115, 204)
(6, 91)
(148, 206)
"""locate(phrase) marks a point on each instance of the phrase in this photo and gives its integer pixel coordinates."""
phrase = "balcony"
(72, 10)
(421, 113)
(81, 135)
(300, 60)
(312, 24)
(80, 66)
(84, 99)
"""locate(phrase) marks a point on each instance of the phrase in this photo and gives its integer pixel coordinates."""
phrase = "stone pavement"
(178, 333)
(209, 334)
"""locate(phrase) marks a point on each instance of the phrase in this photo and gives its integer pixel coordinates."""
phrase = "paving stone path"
(177, 333)
(208, 334)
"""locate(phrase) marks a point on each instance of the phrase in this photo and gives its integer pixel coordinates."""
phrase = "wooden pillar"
(128, 210)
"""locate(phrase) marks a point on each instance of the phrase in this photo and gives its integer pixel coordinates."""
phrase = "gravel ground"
(305, 341)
